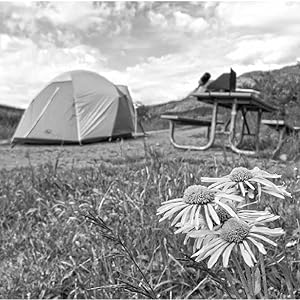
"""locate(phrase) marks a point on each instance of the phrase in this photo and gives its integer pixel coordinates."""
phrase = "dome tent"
(76, 107)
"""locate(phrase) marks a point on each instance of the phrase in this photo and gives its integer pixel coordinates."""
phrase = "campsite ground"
(49, 250)
(120, 151)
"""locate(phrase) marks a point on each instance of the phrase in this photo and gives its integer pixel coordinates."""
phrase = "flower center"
(234, 230)
(198, 194)
(223, 214)
(240, 174)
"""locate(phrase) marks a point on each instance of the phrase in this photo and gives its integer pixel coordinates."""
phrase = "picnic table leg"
(280, 141)
(211, 134)
(208, 132)
(258, 122)
(232, 132)
(244, 124)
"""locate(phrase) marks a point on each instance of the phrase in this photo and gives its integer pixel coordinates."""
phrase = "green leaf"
(257, 282)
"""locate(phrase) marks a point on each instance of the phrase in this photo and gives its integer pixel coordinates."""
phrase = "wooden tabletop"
(249, 100)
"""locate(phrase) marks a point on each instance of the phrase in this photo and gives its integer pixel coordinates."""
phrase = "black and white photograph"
(150, 149)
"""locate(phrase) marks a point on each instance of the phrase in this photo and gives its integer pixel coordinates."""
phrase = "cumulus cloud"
(272, 16)
(188, 23)
(26, 68)
(158, 19)
(177, 20)
(266, 49)
(158, 49)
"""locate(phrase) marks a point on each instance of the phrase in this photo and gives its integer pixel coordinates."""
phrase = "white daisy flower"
(235, 235)
(197, 201)
(248, 216)
(250, 182)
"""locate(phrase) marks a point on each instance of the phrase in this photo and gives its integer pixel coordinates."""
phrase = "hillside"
(279, 87)
(9, 119)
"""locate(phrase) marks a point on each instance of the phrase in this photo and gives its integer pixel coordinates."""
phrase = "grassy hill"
(9, 119)
(280, 88)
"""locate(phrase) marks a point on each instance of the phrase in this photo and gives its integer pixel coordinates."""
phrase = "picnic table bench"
(178, 120)
(284, 130)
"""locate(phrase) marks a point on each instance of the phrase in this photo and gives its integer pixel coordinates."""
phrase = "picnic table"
(235, 101)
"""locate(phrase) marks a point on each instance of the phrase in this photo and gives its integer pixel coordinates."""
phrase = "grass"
(49, 249)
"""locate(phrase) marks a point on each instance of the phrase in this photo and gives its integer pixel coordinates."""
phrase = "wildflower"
(248, 216)
(235, 235)
(249, 182)
(197, 201)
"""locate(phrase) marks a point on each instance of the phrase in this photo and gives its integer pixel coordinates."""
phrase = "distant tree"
(143, 112)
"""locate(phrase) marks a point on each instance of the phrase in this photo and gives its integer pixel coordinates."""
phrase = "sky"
(158, 49)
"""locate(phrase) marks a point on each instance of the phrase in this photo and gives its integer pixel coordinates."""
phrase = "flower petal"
(171, 212)
(179, 215)
(273, 193)
(207, 218)
(200, 233)
(198, 217)
(213, 214)
(268, 231)
(241, 185)
(214, 257)
(261, 173)
(208, 247)
(259, 191)
(262, 181)
(222, 185)
(246, 256)
(186, 215)
(192, 214)
(254, 235)
(249, 250)
(227, 208)
(212, 179)
(211, 251)
(266, 219)
(229, 196)
(172, 201)
(258, 245)
(226, 254)
(250, 185)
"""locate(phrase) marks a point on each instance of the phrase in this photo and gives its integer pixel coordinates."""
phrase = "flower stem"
(263, 275)
(242, 276)
(249, 279)
(231, 281)
(153, 296)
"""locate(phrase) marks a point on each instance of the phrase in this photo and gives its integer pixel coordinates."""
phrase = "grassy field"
(49, 249)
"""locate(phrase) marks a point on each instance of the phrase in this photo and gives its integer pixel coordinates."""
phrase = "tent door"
(43, 111)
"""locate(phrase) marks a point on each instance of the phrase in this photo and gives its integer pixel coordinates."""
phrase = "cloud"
(158, 19)
(266, 49)
(170, 19)
(26, 68)
(258, 17)
(186, 22)
(159, 49)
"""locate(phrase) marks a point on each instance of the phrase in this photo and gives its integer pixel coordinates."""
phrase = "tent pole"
(135, 119)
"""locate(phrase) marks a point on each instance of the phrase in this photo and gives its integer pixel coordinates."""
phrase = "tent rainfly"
(77, 107)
